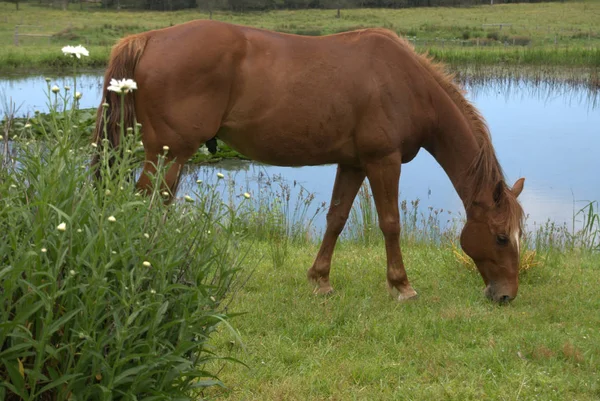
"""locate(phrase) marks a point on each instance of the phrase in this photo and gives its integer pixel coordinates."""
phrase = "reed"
(588, 237)
(363, 223)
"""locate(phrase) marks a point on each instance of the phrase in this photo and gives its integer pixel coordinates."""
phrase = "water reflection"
(29, 93)
(572, 94)
(575, 86)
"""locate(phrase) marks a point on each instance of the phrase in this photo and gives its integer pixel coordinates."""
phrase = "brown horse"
(363, 100)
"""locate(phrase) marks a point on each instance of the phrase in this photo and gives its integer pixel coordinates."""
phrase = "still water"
(548, 133)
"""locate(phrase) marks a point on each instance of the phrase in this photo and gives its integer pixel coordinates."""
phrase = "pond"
(547, 132)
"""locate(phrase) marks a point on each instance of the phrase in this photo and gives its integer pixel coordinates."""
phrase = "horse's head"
(491, 238)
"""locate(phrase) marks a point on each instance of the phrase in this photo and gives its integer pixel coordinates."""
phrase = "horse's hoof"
(406, 295)
(323, 290)
(321, 284)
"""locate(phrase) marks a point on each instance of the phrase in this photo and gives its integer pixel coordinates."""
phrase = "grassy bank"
(450, 344)
(533, 34)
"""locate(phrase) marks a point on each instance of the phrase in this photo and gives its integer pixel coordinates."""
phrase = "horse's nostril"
(504, 299)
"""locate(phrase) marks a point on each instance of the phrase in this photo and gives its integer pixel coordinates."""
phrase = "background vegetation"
(240, 5)
(517, 34)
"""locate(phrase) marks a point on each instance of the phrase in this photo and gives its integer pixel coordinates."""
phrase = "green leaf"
(120, 379)
(64, 319)
(12, 388)
(61, 213)
(8, 353)
(58, 382)
(25, 313)
(161, 313)
(5, 271)
(17, 380)
(132, 317)
(105, 392)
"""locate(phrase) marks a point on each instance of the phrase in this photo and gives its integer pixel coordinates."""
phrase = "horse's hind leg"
(167, 147)
(384, 176)
(347, 183)
(174, 135)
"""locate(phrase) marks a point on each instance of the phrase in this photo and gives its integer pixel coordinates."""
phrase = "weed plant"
(431, 226)
(104, 294)
(363, 223)
(274, 216)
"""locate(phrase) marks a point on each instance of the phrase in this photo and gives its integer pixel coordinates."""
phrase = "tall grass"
(589, 235)
(417, 225)
(104, 294)
(275, 215)
(563, 56)
(583, 233)
(363, 222)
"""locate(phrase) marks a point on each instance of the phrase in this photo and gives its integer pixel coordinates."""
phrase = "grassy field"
(547, 33)
(450, 344)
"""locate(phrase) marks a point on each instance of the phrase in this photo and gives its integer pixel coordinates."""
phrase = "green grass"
(551, 33)
(450, 344)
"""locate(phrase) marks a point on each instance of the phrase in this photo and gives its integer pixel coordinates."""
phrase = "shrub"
(493, 35)
(104, 294)
(481, 42)
(520, 40)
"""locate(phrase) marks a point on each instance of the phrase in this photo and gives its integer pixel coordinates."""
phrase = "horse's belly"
(292, 127)
(290, 148)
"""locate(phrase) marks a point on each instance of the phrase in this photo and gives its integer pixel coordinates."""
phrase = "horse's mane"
(485, 170)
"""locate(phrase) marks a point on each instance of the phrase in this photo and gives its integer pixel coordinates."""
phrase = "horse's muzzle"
(500, 295)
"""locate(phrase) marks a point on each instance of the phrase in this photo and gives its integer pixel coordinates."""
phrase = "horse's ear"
(518, 187)
(499, 192)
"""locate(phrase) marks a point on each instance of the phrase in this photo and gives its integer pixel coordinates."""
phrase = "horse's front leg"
(172, 175)
(384, 176)
(347, 183)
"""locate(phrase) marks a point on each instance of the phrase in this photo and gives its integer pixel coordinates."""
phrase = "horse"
(363, 99)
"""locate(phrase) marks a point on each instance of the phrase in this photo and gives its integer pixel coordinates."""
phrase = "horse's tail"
(122, 62)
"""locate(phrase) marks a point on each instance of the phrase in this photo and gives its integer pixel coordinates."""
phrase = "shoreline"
(19, 60)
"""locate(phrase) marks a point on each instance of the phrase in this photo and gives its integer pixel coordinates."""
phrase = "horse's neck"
(454, 146)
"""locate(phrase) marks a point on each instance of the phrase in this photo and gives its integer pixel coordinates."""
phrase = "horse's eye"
(502, 240)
